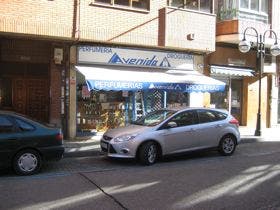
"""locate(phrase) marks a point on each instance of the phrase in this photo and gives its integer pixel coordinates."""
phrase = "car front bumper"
(117, 150)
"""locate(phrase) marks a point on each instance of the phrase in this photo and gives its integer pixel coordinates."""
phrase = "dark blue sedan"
(25, 144)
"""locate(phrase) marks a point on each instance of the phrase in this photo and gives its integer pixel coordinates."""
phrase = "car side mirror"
(171, 124)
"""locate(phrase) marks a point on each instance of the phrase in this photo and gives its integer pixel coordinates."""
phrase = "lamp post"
(244, 47)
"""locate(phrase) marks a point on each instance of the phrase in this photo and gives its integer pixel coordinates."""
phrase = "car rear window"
(24, 126)
(206, 116)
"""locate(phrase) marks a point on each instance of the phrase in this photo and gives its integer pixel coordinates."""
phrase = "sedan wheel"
(148, 153)
(227, 145)
(27, 162)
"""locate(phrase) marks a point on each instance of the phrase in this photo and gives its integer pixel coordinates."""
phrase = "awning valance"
(232, 71)
(103, 78)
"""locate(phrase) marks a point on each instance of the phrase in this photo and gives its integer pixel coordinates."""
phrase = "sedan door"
(9, 139)
(211, 124)
(183, 136)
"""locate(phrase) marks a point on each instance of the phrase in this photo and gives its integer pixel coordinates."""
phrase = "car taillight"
(59, 136)
(234, 121)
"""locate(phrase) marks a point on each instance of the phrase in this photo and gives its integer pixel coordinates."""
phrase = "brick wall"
(42, 17)
(180, 23)
(62, 19)
(55, 94)
(120, 26)
(24, 51)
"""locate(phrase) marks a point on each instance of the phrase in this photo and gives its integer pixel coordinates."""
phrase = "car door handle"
(191, 130)
(218, 126)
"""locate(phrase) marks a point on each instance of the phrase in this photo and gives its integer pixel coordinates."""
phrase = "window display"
(99, 111)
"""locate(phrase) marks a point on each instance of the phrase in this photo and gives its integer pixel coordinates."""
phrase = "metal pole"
(260, 56)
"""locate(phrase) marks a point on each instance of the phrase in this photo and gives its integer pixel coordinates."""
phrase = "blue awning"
(98, 78)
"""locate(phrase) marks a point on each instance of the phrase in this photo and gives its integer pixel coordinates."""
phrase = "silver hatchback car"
(166, 132)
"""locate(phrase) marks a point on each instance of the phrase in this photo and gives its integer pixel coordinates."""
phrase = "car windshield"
(154, 118)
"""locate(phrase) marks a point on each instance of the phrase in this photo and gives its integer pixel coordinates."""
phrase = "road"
(250, 179)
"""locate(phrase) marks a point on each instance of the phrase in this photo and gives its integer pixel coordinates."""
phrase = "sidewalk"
(89, 146)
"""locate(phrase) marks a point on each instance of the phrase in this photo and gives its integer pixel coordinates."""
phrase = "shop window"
(99, 110)
(133, 4)
(177, 99)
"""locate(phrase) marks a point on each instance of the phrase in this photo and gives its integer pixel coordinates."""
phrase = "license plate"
(104, 145)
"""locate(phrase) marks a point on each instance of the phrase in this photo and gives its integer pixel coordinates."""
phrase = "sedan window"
(185, 118)
(24, 126)
(6, 126)
(206, 116)
(154, 118)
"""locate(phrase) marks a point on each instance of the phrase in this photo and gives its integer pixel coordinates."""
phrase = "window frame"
(119, 6)
(249, 10)
(215, 113)
(198, 7)
(195, 119)
(18, 120)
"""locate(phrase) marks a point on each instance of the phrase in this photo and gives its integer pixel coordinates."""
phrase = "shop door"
(30, 97)
(236, 98)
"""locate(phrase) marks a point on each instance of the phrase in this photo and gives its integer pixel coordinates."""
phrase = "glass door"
(236, 98)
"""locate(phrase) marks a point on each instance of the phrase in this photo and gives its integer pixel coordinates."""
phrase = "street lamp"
(244, 46)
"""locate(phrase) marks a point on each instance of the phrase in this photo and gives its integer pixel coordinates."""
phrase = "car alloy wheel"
(227, 145)
(27, 162)
(148, 153)
(152, 153)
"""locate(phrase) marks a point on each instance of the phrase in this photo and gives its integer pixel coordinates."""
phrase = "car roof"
(195, 108)
(13, 113)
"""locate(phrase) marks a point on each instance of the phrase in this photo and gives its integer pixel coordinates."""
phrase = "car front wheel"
(27, 162)
(148, 153)
(227, 145)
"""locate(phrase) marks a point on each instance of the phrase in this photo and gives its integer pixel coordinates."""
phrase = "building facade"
(44, 54)
(34, 57)
(145, 30)
(239, 70)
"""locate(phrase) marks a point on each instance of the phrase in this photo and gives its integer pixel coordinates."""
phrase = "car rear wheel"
(27, 162)
(148, 153)
(227, 145)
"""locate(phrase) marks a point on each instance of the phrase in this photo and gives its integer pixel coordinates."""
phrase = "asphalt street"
(247, 180)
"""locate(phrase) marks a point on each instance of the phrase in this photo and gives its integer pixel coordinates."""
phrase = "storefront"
(118, 85)
(232, 98)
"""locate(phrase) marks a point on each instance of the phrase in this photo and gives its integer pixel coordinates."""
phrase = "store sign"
(134, 86)
(134, 57)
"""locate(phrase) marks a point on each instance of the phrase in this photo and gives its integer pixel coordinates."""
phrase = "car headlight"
(127, 137)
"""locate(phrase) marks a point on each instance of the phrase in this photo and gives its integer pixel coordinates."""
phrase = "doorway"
(26, 89)
(231, 98)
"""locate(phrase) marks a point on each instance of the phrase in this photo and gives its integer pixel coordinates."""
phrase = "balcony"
(231, 31)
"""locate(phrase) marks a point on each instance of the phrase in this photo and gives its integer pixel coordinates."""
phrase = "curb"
(79, 148)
